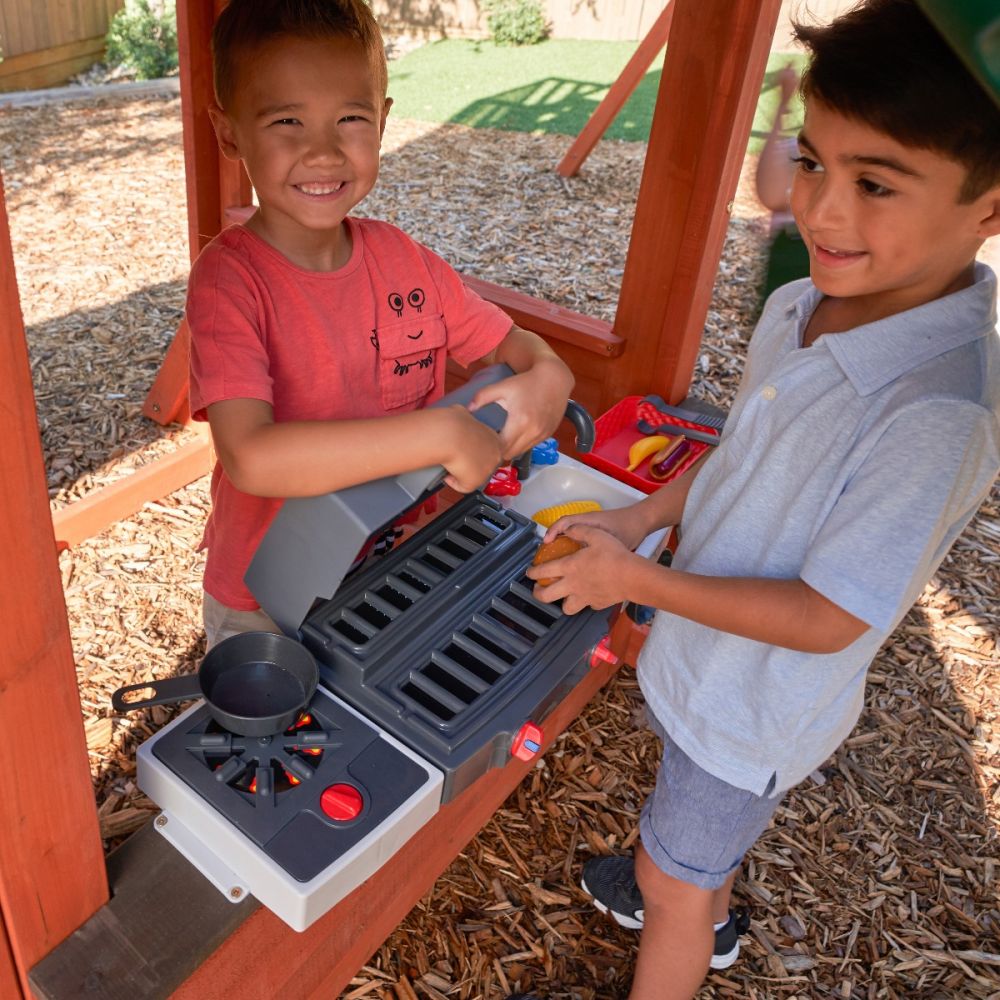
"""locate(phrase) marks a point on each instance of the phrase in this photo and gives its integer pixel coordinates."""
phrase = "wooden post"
(52, 874)
(711, 80)
(621, 90)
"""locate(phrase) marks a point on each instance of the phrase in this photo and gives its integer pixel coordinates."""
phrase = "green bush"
(515, 22)
(143, 38)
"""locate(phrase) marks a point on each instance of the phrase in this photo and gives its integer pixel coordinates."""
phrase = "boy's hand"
(471, 450)
(623, 523)
(535, 399)
(595, 577)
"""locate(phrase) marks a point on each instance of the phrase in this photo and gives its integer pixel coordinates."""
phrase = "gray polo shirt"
(852, 464)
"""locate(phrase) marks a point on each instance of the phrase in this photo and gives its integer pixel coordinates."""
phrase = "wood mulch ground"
(878, 878)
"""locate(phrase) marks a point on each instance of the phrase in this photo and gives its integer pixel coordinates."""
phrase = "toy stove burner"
(299, 818)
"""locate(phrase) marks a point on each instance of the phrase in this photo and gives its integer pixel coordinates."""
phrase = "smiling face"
(882, 221)
(307, 121)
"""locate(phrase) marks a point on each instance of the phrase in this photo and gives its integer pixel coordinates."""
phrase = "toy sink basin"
(570, 480)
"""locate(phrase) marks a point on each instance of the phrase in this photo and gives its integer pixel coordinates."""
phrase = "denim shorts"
(696, 827)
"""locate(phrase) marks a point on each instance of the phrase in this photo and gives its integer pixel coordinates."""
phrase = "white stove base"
(235, 865)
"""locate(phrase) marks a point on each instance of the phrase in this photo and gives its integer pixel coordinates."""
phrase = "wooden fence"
(44, 42)
(610, 20)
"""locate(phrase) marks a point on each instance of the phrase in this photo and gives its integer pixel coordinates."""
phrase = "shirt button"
(769, 392)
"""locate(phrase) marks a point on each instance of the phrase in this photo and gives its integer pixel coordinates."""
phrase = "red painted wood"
(549, 320)
(709, 88)
(51, 861)
(167, 399)
(621, 90)
(266, 959)
(201, 152)
(98, 511)
(10, 984)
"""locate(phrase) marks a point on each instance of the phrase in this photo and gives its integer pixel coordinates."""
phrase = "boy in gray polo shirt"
(864, 436)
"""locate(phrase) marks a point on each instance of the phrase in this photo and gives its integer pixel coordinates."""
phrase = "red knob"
(527, 742)
(341, 802)
(601, 653)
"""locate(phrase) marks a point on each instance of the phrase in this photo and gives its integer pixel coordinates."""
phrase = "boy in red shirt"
(317, 340)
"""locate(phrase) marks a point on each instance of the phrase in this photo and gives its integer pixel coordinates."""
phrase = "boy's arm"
(786, 613)
(534, 398)
(307, 458)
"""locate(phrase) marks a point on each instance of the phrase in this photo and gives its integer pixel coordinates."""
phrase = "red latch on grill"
(527, 743)
(601, 653)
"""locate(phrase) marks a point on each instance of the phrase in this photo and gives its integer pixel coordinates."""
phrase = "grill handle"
(427, 480)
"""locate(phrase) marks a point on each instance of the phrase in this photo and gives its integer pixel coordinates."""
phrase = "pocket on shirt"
(408, 359)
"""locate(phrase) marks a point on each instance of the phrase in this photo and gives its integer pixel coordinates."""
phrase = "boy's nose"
(821, 203)
(324, 148)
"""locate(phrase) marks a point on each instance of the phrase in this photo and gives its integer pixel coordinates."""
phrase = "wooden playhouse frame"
(165, 931)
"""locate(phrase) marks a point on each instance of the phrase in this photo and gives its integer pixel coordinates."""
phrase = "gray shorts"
(222, 621)
(696, 827)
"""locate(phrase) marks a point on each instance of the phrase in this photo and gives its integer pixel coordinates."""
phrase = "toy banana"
(548, 516)
(644, 447)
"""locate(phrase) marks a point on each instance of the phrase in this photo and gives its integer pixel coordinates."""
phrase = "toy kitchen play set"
(314, 756)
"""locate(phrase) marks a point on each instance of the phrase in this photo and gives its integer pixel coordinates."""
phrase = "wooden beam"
(201, 152)
(51, 859)
(10, 982)
(98, 511)
(621, 90)
(550, 321)
(709, 89)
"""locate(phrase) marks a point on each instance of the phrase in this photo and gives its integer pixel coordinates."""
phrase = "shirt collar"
(875, 354)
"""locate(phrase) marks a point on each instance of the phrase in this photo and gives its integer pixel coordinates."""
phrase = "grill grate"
(474, 658)
(417, 570)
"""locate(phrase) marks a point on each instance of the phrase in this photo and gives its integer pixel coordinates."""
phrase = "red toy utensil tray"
(617, 431)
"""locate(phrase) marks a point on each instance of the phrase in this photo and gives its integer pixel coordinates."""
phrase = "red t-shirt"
(369, 339)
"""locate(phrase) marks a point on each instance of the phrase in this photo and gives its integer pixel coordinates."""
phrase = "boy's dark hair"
(245, 24)
(884, 64)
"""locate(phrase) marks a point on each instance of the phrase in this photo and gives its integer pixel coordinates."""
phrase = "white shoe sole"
(629, 922)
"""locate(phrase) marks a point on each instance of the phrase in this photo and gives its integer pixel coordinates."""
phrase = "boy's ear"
(224, 132)
(989, 223)
(385, 114)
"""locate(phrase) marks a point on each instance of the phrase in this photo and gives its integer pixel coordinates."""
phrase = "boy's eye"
(354, 118)
(807, 164)
(286, 121)
(872, 189)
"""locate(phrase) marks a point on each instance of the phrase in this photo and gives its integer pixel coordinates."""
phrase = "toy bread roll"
(561, 545)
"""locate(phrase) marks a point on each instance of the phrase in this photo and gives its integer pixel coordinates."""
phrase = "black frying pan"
(254, 684)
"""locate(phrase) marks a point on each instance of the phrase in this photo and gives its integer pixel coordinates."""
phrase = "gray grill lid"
(313, 541)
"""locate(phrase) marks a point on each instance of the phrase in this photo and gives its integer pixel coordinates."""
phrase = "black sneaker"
(610, 881)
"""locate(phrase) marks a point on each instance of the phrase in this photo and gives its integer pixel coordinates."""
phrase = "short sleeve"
(475, 327)
(229, 358)
(900, 512)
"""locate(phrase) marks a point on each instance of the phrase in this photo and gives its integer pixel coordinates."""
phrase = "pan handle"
(164, 692)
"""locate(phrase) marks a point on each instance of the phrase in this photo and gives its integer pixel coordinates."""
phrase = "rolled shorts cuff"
(696, 827)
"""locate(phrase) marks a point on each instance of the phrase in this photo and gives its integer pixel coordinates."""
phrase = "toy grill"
(443, 644)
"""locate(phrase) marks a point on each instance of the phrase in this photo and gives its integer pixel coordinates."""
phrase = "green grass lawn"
(550, 87)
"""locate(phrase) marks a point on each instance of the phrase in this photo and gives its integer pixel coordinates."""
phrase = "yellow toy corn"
(548, 516)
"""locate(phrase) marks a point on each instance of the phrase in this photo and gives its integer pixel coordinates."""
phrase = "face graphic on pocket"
(408, 347)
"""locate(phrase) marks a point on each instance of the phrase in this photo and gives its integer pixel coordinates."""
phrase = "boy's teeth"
(321, 188)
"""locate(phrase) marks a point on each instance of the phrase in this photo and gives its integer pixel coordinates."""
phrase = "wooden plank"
(49, 67)
(167, 932)
(549, 320)
(51, 859)
(621, 90)
(102, 508)
(711, 80)
(163, 919)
